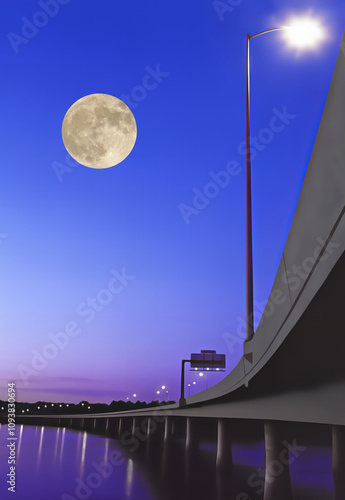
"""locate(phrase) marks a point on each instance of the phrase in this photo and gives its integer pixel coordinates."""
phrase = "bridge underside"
(304, 380)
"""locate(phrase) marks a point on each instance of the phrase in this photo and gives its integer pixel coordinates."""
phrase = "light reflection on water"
(55, 463)
(129, 478)
(61, 464)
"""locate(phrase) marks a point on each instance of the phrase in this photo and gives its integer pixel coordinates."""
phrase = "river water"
(63, 464)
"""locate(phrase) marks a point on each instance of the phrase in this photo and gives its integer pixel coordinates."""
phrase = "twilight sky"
(128, 270)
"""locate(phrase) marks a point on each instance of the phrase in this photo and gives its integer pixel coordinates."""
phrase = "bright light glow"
(38, 407)
(134, 395)
(207, 369)
(158, 392)
(163, 386)
(196, 369)
(45, 406)
(88, 407)
(304, 33)
(201, 374)
(67, 405)
(60, 406)
(194, 383)
(217, 369)
(188, 385)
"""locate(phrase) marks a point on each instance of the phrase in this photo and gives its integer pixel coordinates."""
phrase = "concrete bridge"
(288, 389)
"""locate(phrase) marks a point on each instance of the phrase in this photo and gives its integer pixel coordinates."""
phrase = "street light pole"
(249, 231)
(249, 236)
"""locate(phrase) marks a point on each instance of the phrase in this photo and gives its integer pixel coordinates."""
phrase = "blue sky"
(67, 230)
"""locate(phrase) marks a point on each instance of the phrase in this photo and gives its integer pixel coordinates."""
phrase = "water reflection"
(40, 449)
(188, 474)
(63, 464)
(56, 444)
(129, 478)
(83, 450)
(62, 445)
(19, 440)
(106, 449)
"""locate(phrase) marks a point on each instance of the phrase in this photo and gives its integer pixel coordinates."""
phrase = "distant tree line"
(48, 408)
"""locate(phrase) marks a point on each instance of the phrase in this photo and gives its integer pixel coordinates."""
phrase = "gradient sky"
(65, 227)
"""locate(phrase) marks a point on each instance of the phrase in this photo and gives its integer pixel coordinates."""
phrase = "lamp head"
(304, 33)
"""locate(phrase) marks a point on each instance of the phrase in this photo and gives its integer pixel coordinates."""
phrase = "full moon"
(99, 131)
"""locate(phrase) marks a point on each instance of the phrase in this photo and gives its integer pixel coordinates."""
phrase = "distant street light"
(206, 380)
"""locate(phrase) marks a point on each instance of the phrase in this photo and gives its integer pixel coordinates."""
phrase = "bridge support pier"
(125, 426)
(88, 424)
(224, 460)
(76, 424)
(120, 426)
(114, 427)
(167, 447)
(126, 429)
(94, 425)
(101, 426)
(224, 444)
(277, 471)
(192, 448)
(139, 434)
(338, 461)
(155, 436)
